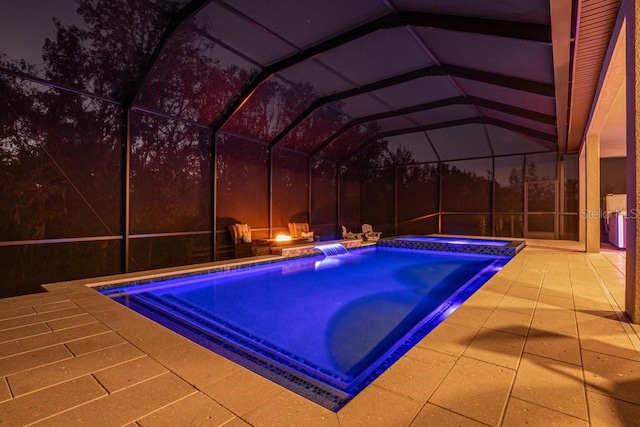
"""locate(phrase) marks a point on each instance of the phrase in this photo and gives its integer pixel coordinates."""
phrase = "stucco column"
(632, 291)
(592, 208)
(582, 199)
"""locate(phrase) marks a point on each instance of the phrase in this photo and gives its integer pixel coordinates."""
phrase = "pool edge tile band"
(452, 244)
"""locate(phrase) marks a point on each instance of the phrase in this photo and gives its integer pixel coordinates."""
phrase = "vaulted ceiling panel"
(306, 22)
(253, 41)
(510, 57)
(460, 142)
(505, 95)
(394, 123)
(361, 105)
(379, 55)
(425, 89)
(519, 121)
(504, 142)
(443, 114)
(315, 77)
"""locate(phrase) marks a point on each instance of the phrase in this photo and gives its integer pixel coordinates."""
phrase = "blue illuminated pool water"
(324, 327)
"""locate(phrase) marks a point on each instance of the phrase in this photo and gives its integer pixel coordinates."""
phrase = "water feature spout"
(332, 249)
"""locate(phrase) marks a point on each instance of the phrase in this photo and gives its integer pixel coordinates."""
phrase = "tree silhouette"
(109, 52)
(190, 81)
(510, 198)
(273, 106)
(465, 191)
(61, 152)
(350, 141)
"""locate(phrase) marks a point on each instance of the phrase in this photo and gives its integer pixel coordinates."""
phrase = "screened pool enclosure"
(134, 132)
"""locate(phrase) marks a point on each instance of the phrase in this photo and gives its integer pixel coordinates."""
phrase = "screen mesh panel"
(170, 175)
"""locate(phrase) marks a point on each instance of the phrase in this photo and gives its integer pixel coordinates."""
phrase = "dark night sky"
(24, 25)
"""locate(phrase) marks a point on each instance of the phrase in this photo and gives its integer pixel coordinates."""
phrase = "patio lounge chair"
(300, 230)
(350, 235)
(369, 234)
(241, 239)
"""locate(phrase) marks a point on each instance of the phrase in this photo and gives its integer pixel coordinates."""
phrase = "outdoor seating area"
(243, 245)
(301, 230)
(296, 242)
(369, 234)
(349, 234)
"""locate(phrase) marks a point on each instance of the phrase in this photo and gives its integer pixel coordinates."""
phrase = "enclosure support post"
(439, 197)
(592, 209)
(493, 196)
(270, 189)
(310, 192)
(126, 171)
(338, 185)
(214, 194)
(395, 200)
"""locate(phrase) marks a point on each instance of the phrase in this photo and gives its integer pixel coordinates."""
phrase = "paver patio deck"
(544, 342)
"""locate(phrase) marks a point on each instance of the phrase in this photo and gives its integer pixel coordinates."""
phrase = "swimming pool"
(324, 327)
